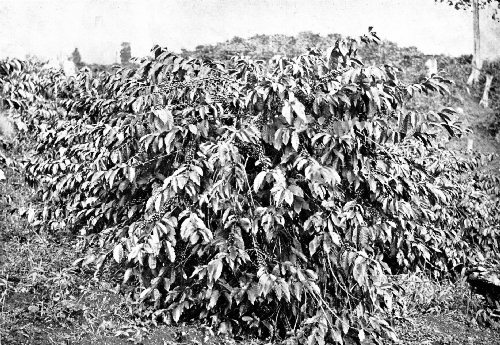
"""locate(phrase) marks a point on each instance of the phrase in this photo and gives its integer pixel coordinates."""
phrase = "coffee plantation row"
(268, 198)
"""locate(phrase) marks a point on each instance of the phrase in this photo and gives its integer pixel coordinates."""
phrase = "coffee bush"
(267, 197)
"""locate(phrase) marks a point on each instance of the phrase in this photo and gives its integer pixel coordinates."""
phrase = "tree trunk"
(470, 144)
(477, 64)
(485, 101)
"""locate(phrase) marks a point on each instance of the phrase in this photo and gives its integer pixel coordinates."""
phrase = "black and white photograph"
(250, 172)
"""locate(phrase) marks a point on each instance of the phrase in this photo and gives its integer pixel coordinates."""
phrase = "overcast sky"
(50, 28)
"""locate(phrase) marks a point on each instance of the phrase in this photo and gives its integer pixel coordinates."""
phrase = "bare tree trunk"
(477, 64)
(485, 101)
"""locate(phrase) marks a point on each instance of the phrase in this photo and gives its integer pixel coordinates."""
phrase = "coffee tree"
(265, 197)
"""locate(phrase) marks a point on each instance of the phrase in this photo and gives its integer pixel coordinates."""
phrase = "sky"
(53, 28)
